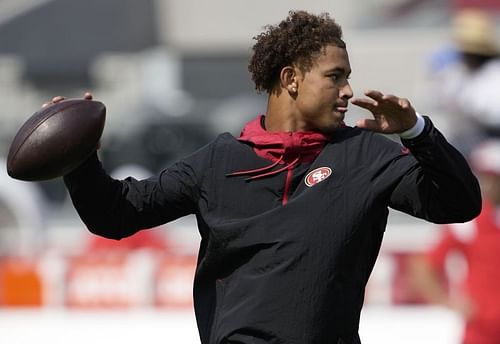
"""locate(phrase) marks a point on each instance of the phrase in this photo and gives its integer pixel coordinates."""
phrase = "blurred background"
(173, 74)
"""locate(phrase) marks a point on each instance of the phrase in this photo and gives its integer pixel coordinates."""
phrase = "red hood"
(283, 146)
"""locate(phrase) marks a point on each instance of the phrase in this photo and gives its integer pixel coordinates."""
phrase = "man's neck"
(280, 115)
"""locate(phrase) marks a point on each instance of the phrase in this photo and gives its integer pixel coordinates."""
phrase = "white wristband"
(415, 130)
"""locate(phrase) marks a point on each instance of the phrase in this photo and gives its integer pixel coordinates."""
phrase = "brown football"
(56, 139)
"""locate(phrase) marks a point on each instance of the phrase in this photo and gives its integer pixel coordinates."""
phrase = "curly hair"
(297, 39)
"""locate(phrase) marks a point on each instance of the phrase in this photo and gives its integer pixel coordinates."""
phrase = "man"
(465, 87)
(476, 298)
(291, 213)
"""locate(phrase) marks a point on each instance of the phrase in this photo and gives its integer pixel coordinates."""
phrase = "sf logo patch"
(317, 175)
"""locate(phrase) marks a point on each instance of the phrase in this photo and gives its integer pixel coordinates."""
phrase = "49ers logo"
(317, 175)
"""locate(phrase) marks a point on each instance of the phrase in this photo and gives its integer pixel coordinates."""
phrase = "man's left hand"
(392, 115)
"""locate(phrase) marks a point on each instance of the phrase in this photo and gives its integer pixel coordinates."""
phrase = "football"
(56, 139)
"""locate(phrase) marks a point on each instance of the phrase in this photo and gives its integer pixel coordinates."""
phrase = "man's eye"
(339, 78)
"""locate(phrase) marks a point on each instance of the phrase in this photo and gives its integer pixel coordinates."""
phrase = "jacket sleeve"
(440, 187)
(119, 208)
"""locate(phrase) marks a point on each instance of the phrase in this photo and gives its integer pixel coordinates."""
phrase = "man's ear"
(288, 79)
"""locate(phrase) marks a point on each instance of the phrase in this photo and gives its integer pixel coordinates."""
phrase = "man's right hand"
(57, 99)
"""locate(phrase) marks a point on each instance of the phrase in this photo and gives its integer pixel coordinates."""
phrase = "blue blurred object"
(443, 58)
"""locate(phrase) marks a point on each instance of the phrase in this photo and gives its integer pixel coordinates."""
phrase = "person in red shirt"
(477, 297)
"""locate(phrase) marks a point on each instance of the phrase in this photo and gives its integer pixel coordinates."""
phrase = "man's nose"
(346, 91)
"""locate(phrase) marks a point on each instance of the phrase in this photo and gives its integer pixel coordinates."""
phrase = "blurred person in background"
(23, 213)
(466, 80)
(292, 212)
(478, 242)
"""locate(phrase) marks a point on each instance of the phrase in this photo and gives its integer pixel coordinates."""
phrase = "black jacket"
(270, 272)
